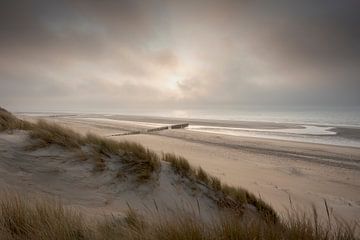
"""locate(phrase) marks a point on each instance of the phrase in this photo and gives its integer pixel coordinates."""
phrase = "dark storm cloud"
(85, 54)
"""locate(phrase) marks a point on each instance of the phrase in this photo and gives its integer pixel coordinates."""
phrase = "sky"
(113, 55)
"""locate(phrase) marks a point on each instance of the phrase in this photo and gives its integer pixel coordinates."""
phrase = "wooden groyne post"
(175, 126)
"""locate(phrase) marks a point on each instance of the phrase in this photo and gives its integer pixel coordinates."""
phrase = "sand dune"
(64, 173)
(276, 170)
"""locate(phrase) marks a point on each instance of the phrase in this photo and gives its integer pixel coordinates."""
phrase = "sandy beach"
(283, 173)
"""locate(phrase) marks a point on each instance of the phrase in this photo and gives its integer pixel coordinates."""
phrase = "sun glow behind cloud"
(178, 53)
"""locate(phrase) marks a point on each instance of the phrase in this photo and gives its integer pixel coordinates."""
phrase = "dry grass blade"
(38, 219)
(179, 164)
(49, 219)
(9, 122)
(230, 197)
(137, 159)
(51, 133)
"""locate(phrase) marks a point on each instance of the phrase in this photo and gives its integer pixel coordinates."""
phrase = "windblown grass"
(137, 159)
(51, 133)
(102, 145)
(38, 219)
(9, 122)
(228, 196)
(179, 164)
(42, 219)
(100, 164)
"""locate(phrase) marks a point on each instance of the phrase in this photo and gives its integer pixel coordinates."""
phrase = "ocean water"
(310, 125)
(341, 117)
(307, 134)
(315, 116)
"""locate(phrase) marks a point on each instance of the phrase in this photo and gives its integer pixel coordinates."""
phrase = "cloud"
(96, 54)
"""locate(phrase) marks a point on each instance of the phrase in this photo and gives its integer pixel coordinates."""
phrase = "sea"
(316, 125)
(309, 125)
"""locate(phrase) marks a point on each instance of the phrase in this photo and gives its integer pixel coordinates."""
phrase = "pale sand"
(275, 170)
(63, 173)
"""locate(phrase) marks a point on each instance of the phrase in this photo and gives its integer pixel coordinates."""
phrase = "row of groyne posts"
(176, 126)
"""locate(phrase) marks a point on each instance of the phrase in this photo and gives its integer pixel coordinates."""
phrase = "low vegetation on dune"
(138, 160)
(228, 197)
(50, 133)
(40, 219)
(21, 218)
(8, 122)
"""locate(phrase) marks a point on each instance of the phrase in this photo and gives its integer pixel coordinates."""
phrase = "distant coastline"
(325, 133)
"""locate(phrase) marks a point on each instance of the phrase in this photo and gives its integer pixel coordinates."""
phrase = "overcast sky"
(112, 55)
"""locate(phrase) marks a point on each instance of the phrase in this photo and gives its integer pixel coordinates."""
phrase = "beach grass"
(228, 196)
(42, 218)
(51, 133)
(137, 159)
(22, 218)
(99, 163)
(8, 122)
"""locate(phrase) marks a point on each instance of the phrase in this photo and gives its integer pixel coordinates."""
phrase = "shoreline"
(213, 121)
(324, 134)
